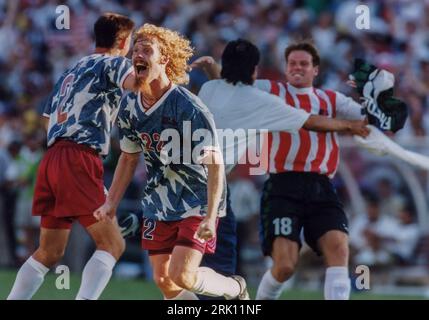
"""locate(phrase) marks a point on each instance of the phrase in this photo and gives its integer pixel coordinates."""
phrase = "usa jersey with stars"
(177, 184)
(85, 101)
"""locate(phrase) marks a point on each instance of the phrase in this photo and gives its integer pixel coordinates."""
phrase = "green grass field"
(120, 289)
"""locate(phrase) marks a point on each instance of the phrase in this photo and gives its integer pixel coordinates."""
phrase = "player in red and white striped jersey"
(299, 194)
(304, 150)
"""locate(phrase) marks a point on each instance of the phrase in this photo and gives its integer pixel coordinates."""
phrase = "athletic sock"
(213, 284)
(28, 280)
(96, 275)
(337, 283)
(269, 288)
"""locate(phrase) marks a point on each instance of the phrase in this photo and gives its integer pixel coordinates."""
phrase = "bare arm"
(45, 123)
(208, 65)
(215, 184)
(124, 172)
(321, 123)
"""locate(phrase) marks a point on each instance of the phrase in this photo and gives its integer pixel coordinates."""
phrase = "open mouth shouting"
(140, 67)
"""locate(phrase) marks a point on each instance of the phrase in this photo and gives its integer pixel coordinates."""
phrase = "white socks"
(96, 275)
(337, 283)
(269, 288)
(184, 295)
(213, 284)
(28, 280)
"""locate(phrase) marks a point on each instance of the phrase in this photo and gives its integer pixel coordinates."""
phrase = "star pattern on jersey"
(162, 192)
(91, 104)
(148, 199)
(160, 215)
(173, 190)
(184, 174)
(173, 177)
(131, 107)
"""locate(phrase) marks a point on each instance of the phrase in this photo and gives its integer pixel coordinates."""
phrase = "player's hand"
(376, 142)
(202, 62)
(206, 230)
(106, 211)
(359, 128)
(351, 83)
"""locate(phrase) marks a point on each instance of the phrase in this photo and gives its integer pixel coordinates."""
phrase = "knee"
(337, 254)
(283, 271)
(163, 282)
(48, 256)
(115, 247)
(182, 278)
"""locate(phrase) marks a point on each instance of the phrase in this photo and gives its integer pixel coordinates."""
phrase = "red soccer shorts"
(160, 237)
(49, 222)
(69, 183)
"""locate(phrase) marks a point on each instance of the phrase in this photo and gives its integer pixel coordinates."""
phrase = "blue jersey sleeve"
(47, 108)
(128, 140)
(117, 70)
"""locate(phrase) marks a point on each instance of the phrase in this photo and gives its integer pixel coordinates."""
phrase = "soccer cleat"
(244, 294)
(130, 226)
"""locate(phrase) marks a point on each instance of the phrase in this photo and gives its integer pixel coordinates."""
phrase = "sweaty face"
(300, 71)
(147, 60)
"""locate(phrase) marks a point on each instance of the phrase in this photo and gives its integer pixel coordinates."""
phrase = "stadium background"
(34, 53)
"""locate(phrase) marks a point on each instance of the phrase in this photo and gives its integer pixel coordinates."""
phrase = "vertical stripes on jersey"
(304, 151)
(334, 156)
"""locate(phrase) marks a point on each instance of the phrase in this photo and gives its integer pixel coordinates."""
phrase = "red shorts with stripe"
(69, 183)
(160, 237)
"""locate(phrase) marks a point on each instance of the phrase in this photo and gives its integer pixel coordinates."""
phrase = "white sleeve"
(262, 84)
(204, 93)
(380, 144)
(347, 108)
(275, 115)
(129, 146)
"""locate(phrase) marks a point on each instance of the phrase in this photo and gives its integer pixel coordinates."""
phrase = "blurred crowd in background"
(34, 54)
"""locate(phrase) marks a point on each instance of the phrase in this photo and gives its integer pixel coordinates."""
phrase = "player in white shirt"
(236, 104)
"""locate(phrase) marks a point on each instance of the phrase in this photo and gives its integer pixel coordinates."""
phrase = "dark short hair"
(109, 27)
(239, 60)
(306, 46)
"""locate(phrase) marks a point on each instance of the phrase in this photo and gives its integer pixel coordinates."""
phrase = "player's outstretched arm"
(321, 123)
(208, 65)
(215, 184)
(124, 172)
(378, 143)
